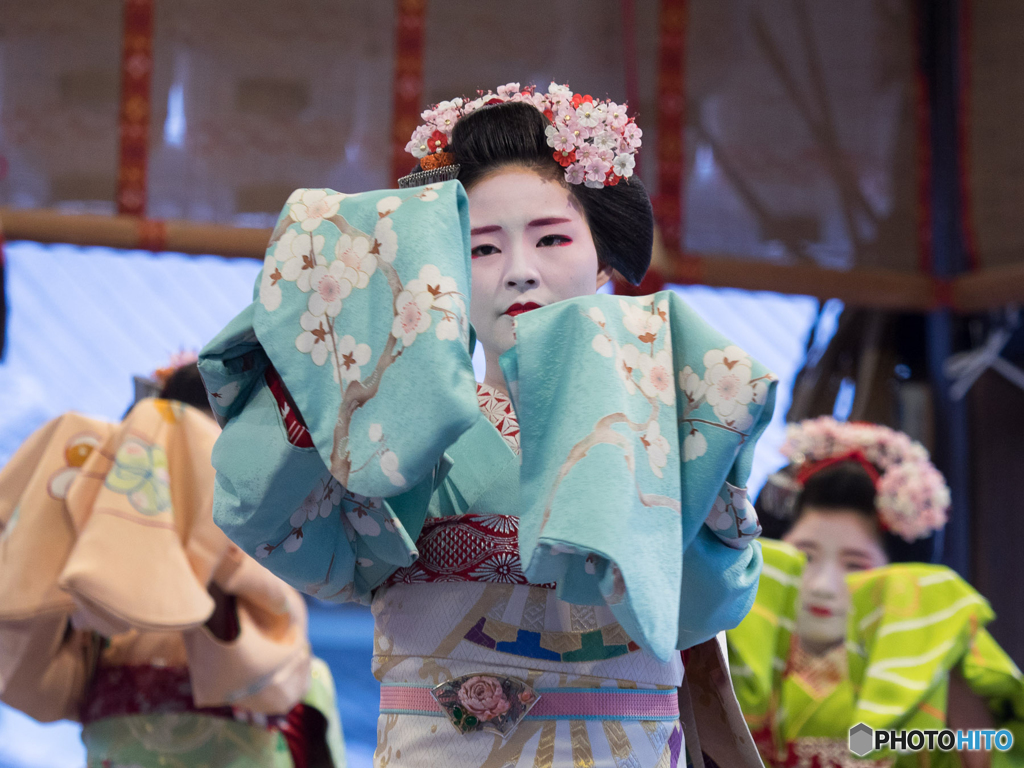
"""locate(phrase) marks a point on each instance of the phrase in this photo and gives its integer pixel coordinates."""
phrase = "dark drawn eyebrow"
(485, 230)
(548, 221)
(855, 553)
(805, 543)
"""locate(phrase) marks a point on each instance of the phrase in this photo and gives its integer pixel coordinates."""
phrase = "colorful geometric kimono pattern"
(430, 633)
(911, 625)
(525, 632)
(112, 525)
(482, 548)
(378, 365)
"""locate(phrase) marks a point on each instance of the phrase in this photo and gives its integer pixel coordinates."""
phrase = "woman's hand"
(223, 622)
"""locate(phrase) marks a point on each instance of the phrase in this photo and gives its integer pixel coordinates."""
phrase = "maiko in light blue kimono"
(638, 423)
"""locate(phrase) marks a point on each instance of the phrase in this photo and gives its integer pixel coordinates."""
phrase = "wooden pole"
(874, 288)
(131, 232)
(989, 288)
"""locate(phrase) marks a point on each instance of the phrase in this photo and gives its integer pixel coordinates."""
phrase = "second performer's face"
(836, 542)
(531, 247)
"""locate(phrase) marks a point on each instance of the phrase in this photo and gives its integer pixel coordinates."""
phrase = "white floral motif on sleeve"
(270, 291)
(729, 388)
(329, 285)
(358, 258)
(313, 339)
(732, 518)
(359, 263)
(351, 355)
(657, 376)
(319, 503)
(313, 206)
(387, 240)
(300, 253)
(412, 316)
(658, 448)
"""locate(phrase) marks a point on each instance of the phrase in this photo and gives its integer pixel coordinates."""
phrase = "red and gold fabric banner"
(136, 69)
(668, 208)
(3, 297)
(669, 155)
(410, 21)
(964, 61)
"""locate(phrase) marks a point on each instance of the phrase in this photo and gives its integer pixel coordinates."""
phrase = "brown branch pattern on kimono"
(357, 393)
(603, 434)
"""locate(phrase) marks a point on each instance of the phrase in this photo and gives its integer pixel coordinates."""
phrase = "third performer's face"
(837, 543)
(531, 247)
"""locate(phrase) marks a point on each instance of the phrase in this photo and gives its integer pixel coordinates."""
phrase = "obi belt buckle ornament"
(485, 702)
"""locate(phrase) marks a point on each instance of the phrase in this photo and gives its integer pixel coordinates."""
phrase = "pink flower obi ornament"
(494, 703)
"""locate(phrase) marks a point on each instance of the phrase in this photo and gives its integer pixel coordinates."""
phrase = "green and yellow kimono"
(910, 625)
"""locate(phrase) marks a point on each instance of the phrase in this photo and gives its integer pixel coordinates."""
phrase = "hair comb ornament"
(433, 175)
(913, 497)
(593, 139)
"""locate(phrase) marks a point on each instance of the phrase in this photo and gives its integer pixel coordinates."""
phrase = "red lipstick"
(823, 613)
(518, 309)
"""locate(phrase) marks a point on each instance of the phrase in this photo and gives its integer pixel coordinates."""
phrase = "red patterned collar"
(499, 411)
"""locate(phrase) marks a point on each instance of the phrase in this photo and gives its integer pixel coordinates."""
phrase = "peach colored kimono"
(106, 532)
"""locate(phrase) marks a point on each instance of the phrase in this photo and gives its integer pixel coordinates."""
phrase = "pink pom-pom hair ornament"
(912, 496)
(593, 139)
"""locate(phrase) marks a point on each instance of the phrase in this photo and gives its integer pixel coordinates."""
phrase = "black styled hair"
(512, 134)
(186, 385)
(848, 486)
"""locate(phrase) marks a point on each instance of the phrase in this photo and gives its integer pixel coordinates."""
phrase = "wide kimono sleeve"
(911, 625)
(44, 663)
(637, 427)
(340, 387)
(759, 647)
(146, 550)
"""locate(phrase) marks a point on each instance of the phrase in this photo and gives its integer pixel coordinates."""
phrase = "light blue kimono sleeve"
(360, 322)
(637, 428)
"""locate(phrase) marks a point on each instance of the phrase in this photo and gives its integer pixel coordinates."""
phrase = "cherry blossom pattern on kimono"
(361, 314)
(648, 436)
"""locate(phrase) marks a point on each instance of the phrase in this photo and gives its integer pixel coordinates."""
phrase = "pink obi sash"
(466, 548)
(552, 703)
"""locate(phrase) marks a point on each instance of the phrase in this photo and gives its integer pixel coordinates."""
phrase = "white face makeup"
(836, 542)
(531, 247)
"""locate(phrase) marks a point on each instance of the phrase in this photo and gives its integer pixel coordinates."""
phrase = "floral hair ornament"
(593, 139)
(152, 385)
(177, 360)
(913, 497)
